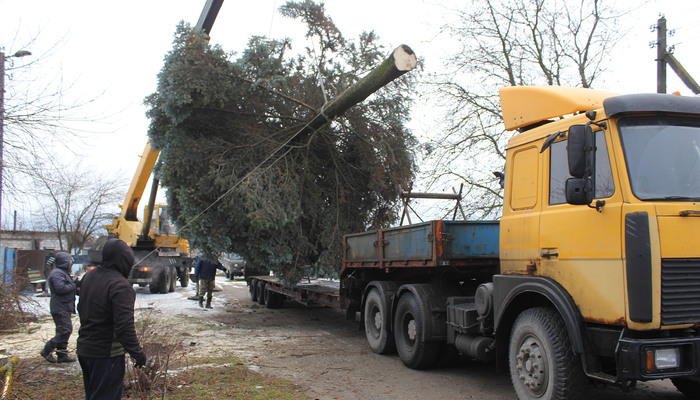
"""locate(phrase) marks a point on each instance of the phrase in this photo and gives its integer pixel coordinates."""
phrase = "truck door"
(580, 247)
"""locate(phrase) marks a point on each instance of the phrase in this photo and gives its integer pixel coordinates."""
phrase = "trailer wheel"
(261, 292)
(279, 300)
(409, 325)
(173, 278)
(689, 387)
(253, 288)
(270, 298)
(542, 363)
(377, 316)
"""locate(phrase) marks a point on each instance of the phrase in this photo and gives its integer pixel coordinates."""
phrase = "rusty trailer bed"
(315, 291)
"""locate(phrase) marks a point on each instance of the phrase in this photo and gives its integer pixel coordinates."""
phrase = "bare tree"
(77, 202)
(507, 43)
(40, 114)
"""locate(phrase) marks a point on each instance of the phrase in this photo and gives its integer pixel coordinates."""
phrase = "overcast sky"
(114, 50)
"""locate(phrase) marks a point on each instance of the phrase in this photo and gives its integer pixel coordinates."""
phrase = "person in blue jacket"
(205, 271)
(62, 305)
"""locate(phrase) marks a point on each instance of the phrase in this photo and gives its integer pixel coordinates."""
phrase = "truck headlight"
(663, 358)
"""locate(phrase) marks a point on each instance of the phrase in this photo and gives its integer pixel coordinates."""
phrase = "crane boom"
(162, 255)
(150, 156)
(209, 13)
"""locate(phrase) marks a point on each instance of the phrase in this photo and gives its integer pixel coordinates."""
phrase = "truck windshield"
(663, 157)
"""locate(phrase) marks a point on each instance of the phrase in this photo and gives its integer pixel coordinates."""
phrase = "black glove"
(140, 360)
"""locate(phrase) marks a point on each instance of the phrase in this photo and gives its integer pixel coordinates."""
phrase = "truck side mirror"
(576, 150)
(579, 191)
(581, 155)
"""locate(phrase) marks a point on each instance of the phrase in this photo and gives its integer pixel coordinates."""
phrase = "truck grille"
(680, 291)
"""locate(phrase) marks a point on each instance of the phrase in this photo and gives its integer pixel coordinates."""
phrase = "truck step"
(602, 376)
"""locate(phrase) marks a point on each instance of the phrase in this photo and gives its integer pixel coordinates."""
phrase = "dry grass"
(172, 372)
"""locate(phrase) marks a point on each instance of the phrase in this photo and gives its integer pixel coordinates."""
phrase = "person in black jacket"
(205, 271)
(107, 331)
(62, 307)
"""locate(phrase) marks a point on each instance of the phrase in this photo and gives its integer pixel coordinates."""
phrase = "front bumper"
(633, 358)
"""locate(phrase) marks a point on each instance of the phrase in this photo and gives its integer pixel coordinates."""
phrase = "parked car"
(234, 265)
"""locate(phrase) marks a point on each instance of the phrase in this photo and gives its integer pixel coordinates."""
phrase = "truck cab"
(602, 215)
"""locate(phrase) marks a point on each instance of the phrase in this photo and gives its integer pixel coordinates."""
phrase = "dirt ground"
(314, 347)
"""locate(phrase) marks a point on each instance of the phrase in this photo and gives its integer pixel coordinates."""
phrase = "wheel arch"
(515, 294)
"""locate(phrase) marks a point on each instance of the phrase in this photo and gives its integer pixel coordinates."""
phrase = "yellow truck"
(592, 274)
(601, 225)
(162, 256)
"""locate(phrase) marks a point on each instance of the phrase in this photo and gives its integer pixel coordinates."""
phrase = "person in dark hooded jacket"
(62, 307)
(107, 331)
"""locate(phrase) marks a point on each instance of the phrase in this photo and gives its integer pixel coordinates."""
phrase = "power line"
(272, 18)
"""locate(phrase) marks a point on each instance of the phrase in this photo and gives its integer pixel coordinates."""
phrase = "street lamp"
(18, 54)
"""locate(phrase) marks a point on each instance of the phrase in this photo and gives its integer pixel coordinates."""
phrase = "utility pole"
(20, 53)
(2, 127)
(664, 56)
(660, 55)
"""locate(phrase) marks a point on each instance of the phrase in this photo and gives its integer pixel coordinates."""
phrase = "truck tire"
(253, 287)
(184, 277)
(543, 365)
(279, 300)
(377, 317)
(689, 387)
(173, 278)
(161, 282)
(409, 325)
(271, 298)
(261, 292)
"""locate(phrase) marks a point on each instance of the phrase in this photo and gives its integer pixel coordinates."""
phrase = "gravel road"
(314, 347)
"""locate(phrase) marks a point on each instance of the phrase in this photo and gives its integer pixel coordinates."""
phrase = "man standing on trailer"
(205, 271)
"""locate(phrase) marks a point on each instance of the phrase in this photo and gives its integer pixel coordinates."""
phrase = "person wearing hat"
(62, 306)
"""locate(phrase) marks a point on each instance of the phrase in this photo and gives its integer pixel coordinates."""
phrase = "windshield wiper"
(686, 198)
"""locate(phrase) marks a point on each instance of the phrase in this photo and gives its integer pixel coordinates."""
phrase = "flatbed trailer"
(426, 252)
(317, 291)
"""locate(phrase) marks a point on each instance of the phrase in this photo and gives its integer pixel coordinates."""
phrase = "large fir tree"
(227, 129)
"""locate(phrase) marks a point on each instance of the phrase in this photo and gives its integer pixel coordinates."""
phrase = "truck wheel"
(173, 278)
(261, 293)
(377, 317)
(253, 287)
(161, 282)
(409, 325)
(543, 365)
(689, 387)
(184, 277)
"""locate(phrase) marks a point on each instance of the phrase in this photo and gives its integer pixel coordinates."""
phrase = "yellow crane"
(162, 256)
